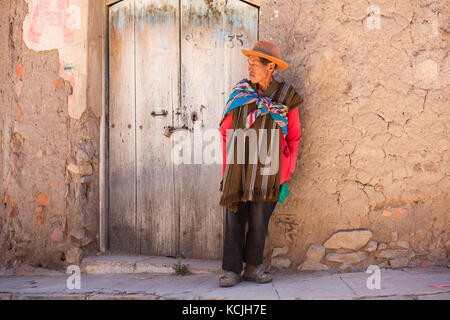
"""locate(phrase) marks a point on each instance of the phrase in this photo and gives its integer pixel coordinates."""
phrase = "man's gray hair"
(265, 61)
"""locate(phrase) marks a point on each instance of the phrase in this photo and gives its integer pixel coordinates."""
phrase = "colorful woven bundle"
(243, 93)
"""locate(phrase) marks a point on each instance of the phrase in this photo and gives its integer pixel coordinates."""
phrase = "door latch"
(162, 113)
(169, 129)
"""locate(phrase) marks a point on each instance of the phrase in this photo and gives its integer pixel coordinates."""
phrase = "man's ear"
(272, 66)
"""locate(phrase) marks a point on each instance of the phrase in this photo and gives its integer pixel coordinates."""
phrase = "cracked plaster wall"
(49, 130)
(375, 121)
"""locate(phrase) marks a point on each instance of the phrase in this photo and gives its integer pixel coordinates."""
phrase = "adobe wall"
(375, 146)
(51, 108)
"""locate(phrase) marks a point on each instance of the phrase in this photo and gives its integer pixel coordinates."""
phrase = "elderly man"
(250, 191)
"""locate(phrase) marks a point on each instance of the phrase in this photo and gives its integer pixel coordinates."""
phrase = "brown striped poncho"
(244, 181)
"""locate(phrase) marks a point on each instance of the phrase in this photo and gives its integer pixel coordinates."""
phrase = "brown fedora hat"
(269, 51)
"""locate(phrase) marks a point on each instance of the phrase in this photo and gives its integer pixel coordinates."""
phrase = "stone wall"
(373, 175)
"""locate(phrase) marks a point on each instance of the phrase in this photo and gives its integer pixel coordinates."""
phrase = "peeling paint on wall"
(62, 25)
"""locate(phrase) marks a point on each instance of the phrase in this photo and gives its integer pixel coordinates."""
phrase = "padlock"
(168, 131)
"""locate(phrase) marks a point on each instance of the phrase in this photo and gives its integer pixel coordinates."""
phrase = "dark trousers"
(249, 248)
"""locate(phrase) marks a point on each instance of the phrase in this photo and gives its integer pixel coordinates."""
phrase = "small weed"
(181, 269)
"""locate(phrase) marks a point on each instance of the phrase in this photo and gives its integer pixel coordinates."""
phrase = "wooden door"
(179, 60)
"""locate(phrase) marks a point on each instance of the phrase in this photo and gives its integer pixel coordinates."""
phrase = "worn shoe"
(258, 275)
(229, 279)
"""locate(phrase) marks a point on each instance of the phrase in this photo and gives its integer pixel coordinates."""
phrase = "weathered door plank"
(157, 88)
(122, 175)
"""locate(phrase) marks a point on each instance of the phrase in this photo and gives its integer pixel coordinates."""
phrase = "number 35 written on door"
(235, 40)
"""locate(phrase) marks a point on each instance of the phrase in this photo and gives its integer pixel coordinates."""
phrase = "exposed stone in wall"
(83, 194)
(396, 254)
(350, 239)
(314, 256)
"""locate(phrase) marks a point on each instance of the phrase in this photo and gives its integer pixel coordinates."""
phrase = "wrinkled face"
(257, 71)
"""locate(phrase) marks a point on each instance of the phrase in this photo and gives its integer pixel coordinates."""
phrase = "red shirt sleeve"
(226, 124)
(293, 137)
